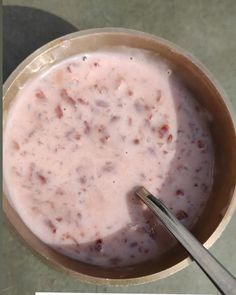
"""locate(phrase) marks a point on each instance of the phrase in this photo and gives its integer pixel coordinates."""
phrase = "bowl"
(200, 82)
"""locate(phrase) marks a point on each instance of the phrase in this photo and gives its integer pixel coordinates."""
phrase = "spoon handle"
(221, 278)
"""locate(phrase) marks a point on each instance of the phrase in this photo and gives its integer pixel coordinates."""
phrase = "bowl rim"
(180, 51)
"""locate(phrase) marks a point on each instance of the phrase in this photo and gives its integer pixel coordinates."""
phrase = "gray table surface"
(205, 28)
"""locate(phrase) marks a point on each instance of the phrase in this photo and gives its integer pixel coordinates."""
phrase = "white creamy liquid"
(82, 135)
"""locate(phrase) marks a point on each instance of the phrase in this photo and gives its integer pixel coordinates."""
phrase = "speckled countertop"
(205, 28)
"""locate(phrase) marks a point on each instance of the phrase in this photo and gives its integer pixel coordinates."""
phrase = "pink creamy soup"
(82, 135)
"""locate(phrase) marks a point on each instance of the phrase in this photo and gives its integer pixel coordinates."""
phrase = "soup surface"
(79, 137)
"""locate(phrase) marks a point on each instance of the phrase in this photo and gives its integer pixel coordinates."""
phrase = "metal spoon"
(222, 279)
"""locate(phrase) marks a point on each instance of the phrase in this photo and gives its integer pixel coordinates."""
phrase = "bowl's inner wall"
(223, 136)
